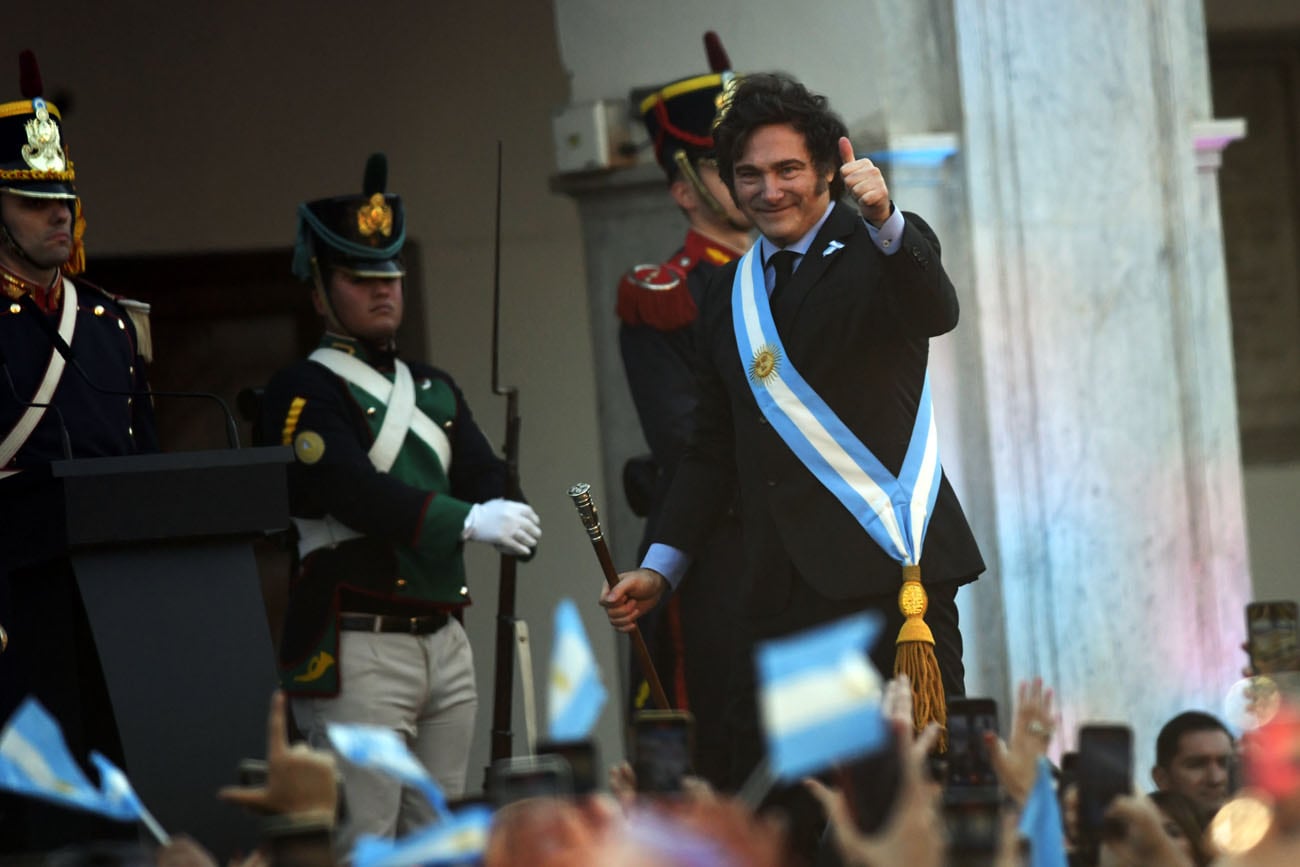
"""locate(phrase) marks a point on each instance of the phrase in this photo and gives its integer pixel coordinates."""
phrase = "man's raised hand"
(863, 180)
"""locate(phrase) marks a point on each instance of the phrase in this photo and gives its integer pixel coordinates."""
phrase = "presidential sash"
(894, 510)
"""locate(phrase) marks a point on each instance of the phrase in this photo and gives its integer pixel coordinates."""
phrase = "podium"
(161, 547)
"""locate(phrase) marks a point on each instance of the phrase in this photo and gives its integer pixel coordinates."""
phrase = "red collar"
(704, 249)
(46, 297)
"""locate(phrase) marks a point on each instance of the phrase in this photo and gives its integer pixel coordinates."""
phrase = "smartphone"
(1271, 632)
(582, 759)
(972, 796)
(1105, 771)
(663, 749)
(969, 767)
(523, 777)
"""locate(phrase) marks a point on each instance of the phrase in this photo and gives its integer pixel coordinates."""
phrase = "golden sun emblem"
(766, 361)
(375, 216)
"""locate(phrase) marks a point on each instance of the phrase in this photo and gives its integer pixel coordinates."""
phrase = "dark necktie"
(782, 262)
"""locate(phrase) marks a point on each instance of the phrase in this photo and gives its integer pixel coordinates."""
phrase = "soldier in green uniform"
(392, 477)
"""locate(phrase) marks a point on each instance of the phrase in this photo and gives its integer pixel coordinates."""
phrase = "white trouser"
(420, 686)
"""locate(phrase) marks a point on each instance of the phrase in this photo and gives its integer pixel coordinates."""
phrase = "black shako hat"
(361, 234)
(33, 159)
(680, 116)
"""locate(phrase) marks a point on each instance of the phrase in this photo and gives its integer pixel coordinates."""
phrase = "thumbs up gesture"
(864, 182)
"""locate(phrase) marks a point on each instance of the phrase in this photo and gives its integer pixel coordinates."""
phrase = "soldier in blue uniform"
(392, 477)
(51, 410)
(693, 637)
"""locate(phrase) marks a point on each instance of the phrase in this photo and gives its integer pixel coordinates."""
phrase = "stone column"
(1104, 336)
(627, 218)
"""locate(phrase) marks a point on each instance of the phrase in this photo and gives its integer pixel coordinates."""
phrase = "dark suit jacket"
(856, 324)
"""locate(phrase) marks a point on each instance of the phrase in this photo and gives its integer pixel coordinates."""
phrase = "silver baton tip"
(579, 489)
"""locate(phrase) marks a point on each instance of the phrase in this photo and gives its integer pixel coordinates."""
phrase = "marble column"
(1105, 342)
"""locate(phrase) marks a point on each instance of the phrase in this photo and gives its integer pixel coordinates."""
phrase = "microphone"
(61, 346)
(64, 439)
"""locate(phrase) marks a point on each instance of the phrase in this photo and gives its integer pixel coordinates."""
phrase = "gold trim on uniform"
(291, 420)
(677, 88)
(765, 364)
(316, 668)
(25, 106)
(375, 216)
(718, 257)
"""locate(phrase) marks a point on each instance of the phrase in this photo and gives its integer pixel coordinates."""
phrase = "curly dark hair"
(774, 98)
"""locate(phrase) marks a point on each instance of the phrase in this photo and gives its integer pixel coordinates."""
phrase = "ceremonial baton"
(504, 681)
(581, 495)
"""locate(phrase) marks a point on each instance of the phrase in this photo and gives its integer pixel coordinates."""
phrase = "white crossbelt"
(400, 417)
(27, 422)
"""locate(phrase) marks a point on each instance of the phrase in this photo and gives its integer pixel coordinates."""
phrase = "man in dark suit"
(694, 636)
(861, 291)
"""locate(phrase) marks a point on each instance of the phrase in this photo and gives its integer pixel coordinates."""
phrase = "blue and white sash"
(895, 511)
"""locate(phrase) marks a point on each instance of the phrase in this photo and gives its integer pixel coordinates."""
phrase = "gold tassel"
(77, 261)
(914, 656)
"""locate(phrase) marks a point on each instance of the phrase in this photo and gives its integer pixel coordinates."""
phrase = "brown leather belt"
(422, 625)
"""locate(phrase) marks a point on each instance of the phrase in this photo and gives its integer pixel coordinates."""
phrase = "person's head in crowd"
(552, 832)
(541, 832)
(1195, 753)
(1184, 823)
(778, 153)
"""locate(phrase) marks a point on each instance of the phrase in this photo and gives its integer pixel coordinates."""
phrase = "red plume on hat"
(718, 59)
(29, 75)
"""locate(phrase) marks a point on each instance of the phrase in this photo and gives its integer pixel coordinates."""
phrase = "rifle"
(504, 676)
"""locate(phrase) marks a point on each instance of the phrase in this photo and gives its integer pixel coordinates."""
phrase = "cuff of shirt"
(889, 234)
(668, 561)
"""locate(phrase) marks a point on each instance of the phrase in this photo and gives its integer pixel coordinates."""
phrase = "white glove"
(508, 526)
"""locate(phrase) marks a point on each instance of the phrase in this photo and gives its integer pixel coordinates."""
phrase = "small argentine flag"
(820, 696)
(1041, 821)
(459, 839)
(34, 761)
(381, 749)
(576, 694)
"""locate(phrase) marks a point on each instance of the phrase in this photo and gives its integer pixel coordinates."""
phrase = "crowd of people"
(796, 496)
(1195, 774)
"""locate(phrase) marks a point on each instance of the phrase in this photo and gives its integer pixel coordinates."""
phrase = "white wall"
(1273, 509)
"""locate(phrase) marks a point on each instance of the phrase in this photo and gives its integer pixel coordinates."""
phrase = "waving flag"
(820, 696)
(576, 695)
(1041, 821)
(383, 750)
(460, 839)
(34, 761)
